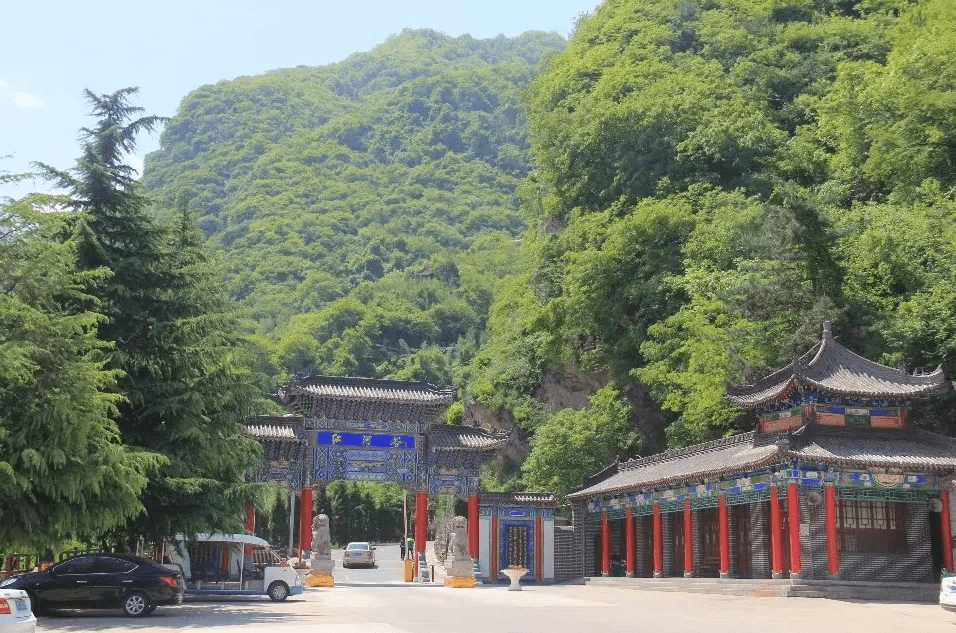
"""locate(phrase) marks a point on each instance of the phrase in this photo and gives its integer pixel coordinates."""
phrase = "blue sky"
(51, 51)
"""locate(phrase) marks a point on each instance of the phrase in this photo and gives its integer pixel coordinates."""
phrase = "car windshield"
(358, 546)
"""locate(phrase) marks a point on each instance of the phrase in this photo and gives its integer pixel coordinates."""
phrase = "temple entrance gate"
(355, 429)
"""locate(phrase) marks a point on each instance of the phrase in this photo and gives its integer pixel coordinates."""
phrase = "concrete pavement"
(376, 601)
(415, 608)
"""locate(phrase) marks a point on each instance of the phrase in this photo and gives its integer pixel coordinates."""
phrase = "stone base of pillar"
(725, 574)
(320, 580)
(833, 576)
(777, 575)
(658, 574)
(605, 574)
(629, 574)
(460, 582)
(795, 575)
(688, 574)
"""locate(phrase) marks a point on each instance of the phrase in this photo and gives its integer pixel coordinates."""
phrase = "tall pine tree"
(64, 472)
(185, 391)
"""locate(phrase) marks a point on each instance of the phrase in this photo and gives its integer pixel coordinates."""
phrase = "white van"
(234, 565)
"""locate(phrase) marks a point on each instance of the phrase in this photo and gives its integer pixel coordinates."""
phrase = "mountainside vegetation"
(367, 209)
(589, 238)
(712, 181)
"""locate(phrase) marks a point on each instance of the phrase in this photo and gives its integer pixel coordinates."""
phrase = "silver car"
(359, 553)
(16, 615)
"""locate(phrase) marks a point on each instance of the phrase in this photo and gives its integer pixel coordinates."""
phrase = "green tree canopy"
(64, 470)
(171, 338)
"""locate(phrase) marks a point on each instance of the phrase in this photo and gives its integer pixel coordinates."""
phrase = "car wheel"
(278, 591)
(136, 605)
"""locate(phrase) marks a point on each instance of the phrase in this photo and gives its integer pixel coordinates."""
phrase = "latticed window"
(874, 527)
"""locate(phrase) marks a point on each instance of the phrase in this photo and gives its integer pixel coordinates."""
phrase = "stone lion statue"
(459, 546)
(321, 537)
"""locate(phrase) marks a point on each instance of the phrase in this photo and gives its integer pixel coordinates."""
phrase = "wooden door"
(784, 538)
(648, 545)
(677, 529)
(709, 543)
(742, 538)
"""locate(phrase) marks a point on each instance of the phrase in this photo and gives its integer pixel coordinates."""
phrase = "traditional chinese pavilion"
(359, 429)
(834, 482)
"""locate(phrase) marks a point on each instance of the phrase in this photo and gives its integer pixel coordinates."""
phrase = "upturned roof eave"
(828, 351)
(680, 479)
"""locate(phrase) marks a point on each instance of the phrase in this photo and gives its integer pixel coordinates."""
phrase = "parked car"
(947, 592)
(359, 553)
(15, 613)
(133, 583)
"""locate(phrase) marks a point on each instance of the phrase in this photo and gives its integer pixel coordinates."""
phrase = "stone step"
(797, 588)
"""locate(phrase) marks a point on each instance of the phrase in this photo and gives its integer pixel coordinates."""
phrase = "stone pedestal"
(321, 574)
(461, 571)
(322, 563)
(460, 582)
(515, 574)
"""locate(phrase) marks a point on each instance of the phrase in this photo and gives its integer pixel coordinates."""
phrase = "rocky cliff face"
(571, 388)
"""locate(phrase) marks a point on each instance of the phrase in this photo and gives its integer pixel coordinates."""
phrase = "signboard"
(350, 456)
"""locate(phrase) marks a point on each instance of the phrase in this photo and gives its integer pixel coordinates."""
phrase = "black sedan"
(133, 583)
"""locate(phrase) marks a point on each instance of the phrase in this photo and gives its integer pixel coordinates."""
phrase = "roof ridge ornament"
(828, 329)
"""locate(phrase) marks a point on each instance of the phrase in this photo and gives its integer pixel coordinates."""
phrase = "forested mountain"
(696, 187)
(365, 210)
(713, 180)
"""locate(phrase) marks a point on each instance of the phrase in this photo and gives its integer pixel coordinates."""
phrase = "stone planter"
(515, 574)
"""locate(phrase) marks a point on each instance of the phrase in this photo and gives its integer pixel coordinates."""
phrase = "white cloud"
(4, 84)
(24, 100)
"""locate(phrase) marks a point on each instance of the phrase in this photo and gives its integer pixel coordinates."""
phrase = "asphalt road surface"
(388, 568)
(376, 601)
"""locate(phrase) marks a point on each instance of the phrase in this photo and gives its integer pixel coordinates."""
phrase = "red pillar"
(250, 521)
(793, 517)
(776, 534)
(473, 526)
(250, 524)
(605, 545)
(688, 540)
(305, 521)
(538, 544)
(833, 554)
(421, 521)
(629, 542)
(421, 526)
(658, 543)
(724, 536)
(947, 532)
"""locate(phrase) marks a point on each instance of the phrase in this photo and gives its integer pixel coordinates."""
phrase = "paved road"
(363, 604)
(388, 567)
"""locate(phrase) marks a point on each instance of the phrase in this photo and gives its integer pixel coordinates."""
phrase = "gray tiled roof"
(912, 450)
(445, 437)
(732, 454)
(367, 389)
(518, 498)
(832, 368)
(922, 452)
(271, 432)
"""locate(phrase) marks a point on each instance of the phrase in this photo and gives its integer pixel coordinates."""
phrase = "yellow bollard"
(409, 575)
